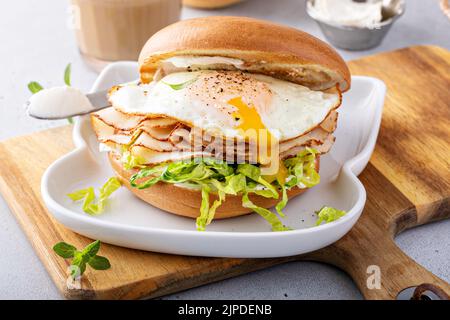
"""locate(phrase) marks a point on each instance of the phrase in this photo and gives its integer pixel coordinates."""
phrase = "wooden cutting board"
(407, 182)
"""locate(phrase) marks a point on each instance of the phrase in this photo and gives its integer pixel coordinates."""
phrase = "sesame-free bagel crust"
(265, 47)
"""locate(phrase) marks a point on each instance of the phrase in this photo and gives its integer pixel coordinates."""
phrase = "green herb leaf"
(99, 263)
(34, 87)
(91, 250)
(179, 86)
(81, 258)
(64, 250)
(78, 266)
(67, 73)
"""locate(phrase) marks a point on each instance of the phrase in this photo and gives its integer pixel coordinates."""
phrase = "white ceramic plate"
(132, 223)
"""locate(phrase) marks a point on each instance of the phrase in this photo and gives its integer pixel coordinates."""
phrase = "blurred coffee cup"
(112, 30)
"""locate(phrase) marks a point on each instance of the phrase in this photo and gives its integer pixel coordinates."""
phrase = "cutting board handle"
(369, 254)
(423, 291)
(381, 270)
(407, 280)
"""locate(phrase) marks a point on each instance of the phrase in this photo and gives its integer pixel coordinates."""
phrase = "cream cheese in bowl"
(348, 12)
(355, 24)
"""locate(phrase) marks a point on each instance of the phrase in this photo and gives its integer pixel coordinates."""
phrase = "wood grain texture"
(407, 183)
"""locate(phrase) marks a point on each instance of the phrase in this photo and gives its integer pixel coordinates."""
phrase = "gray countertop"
(36, 45)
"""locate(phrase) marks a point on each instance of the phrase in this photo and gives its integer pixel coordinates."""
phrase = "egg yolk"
(280, 176)
(250, 123)
(250, 119)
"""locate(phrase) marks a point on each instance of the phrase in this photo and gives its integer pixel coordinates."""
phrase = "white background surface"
(37, 45)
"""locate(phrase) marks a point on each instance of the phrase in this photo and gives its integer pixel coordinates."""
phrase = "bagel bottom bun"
(186, 202)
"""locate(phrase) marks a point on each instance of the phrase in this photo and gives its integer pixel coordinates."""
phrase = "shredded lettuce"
(254, 173)
(280, 205)
(215, 205)
(270, 217)
(154, 172)
(91, 206)
(204, 210)
(129, 161)
(328, 214)
(302, 169)
(213, 176)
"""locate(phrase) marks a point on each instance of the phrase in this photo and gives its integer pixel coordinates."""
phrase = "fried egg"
(229, 103)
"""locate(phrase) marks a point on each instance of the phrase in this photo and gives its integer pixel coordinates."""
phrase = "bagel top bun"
(264, 47)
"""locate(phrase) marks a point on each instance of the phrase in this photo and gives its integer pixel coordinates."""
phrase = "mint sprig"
(65, 250)
(34, 87)
(67, 72)
(81, 258)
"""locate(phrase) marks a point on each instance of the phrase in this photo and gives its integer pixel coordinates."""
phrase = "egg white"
(201, 99)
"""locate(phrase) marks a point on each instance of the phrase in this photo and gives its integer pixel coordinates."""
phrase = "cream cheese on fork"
(58, 102)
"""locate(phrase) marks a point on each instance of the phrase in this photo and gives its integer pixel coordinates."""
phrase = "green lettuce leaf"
(262, 192)
(129, 161)
(328, 214)
(204, 210)
(88, 195)
(280, 205)
(268, 215)
(235, 184)
(196, 173)
(215, 205)
(302, 169)
(90, 206)
(154, 172)
(253, 172)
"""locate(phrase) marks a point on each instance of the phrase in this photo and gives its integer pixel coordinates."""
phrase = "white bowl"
(130, 222)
